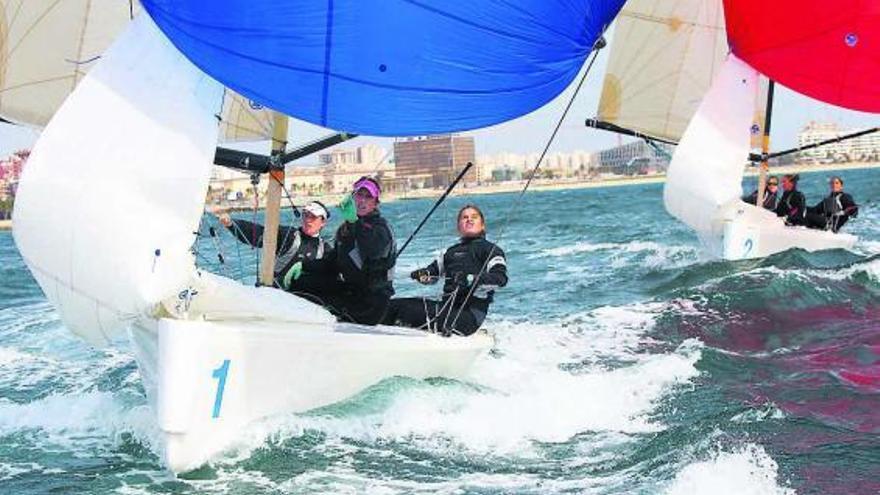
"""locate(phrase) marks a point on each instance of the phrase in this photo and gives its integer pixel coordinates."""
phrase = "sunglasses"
(772, 183)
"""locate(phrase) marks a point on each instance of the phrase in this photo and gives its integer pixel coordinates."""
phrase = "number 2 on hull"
(220, 374)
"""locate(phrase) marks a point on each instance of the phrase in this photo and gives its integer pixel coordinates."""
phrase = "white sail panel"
(48, 46)
(707, 167)
(663, 58)
(114, 188)
(244, 120)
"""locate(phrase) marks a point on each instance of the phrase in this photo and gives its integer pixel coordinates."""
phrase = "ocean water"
(626, 362)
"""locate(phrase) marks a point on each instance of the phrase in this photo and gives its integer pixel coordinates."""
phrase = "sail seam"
(328, 45)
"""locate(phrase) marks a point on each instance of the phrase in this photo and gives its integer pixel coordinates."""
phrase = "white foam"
(748, 471)
(769, 411)
(79, 422)
(11, 470)
(652, 254)
(526, 396)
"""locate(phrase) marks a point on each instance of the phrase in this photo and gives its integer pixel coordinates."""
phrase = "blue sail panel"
(389, 67)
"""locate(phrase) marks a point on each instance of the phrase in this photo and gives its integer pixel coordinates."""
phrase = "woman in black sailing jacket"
(769, 202)
(792, 206)
(834, 210)
(294, 245)
(471, 271)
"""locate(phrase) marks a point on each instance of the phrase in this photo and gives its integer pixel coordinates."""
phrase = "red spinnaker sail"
(826, 49)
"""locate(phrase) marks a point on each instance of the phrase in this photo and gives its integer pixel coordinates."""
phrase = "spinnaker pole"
(273, 200)
(765, 147)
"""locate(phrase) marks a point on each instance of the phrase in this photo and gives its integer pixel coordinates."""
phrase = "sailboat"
(658, 87)
(114, 189)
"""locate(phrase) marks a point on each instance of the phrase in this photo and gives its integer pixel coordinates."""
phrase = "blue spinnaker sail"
(390, 67)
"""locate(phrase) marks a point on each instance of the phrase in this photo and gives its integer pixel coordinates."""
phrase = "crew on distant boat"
(362, 260)
(769, 194)
(832, 212)
(792, 206)
(294, 246)
(471, 269)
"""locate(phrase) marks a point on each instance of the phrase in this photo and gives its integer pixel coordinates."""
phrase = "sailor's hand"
(348, 209)
(224, 219)
(463, 279)
(293, 274)
(422, 276)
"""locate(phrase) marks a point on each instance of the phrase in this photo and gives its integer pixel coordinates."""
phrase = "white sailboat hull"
(208, 379)
(744, 231)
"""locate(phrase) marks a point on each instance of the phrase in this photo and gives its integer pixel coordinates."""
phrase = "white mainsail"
(48, 46)
(663, 58)
(106, 212)
(707, 168)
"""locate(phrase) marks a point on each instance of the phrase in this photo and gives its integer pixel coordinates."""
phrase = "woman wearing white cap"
(295, 245)
(362, 259)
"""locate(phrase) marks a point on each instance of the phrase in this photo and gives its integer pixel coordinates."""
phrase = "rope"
(255, 179)
(220, 256)
(296, 212)
(597, 45)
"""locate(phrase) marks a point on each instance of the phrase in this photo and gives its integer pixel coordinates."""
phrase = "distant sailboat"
(681, 47)
(114, 188)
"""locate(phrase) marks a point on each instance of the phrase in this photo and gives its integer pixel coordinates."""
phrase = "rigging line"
(296, 211)
(826, 142)
(238, 248)
(382, 160)
(597, 46)
(220, 256)
(434, 208)
(255, 179)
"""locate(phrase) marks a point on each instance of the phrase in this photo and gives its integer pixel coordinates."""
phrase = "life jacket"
(356, 270)
(298, 252)
(469, 257)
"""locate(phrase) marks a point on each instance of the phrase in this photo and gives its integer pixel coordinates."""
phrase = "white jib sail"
(707, 168)
(114, 189)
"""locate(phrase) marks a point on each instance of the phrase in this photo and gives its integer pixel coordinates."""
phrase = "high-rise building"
(634, 158)
(865, 147)
(815, 132)
(434, 161)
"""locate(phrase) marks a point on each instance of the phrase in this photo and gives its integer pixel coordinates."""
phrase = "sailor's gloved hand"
(348, 209)
(292, 274)
(422, 276)
(462, 279)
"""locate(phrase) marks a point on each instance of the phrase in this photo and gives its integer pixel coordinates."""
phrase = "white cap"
(317, 208)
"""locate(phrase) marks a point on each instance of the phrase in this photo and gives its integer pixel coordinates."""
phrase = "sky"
(530, 133)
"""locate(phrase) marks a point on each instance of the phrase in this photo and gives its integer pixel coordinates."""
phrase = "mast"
(765, 147)
(273, 200)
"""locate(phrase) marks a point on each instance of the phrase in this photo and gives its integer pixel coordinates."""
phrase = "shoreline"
(550, 185)
(562, 184)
